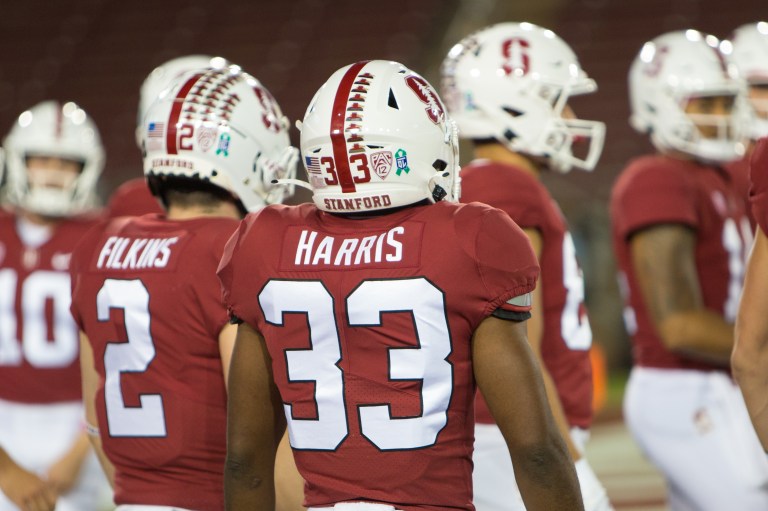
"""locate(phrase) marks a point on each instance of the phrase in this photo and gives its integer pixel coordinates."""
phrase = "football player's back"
(413, 285)
(156, 337)
(153, 324)
(375, 310)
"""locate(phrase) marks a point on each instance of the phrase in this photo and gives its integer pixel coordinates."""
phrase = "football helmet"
(161, 77)
(223, 127)
(511, 82)
(748, 51)
(55, 130)
(376, 136)
(669, 71)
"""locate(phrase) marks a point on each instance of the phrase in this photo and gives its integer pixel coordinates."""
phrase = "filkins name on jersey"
(120, 253)
(331, 251)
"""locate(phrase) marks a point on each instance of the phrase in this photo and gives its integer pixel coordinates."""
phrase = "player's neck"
(500, 154)
(37, 219)
(222, 209)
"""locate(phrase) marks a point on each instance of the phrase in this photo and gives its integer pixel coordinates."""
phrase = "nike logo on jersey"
(313, 250)
(120, 253)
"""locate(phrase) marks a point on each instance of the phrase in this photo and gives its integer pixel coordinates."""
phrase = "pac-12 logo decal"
(517, 61)
(206, 136)
(428, 96)
(382, 163)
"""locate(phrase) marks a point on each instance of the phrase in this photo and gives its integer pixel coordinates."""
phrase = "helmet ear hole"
(392, 102)
(440, 165)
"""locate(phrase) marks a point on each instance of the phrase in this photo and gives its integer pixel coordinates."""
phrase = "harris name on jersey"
(306, 249)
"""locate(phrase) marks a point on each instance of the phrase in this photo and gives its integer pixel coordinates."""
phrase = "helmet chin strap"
(292, 182)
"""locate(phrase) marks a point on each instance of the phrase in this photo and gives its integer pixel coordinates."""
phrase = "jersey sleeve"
(206, 283)
(232, 273)
(506, 263)
(652, 194)
(758, 174)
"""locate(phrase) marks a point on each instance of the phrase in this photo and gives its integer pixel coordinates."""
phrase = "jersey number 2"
(134, 356)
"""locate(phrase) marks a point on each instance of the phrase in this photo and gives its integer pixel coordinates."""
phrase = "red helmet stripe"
(59, 121)
(338, 115)
(173, 118)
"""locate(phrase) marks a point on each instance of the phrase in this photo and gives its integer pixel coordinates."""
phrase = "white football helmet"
(55, 130)
(672, 69)
(376, 136)
(161, 77)
(749, 53)
(511, 82)
(223, 127)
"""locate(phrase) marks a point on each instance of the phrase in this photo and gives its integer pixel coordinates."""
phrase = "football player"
(507, 87)
(367, 321)
(155, 340)
(748, 51)
(750, 352)
(680, 235)
(54, 159)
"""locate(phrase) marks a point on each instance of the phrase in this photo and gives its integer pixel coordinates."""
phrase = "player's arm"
(227, 337)
(90, 381)
(255, 424)
(750, 353)
(535, 336)
(510, 380)
(64, 472)
(663, 258)
(289, 485)
(25, 489)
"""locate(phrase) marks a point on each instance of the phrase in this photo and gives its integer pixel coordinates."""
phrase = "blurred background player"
(680, 237)
(377, 304)
(133, 198)
(54, 159)
(508, 87)
(156, 342)
(750, 351)
(748, 51)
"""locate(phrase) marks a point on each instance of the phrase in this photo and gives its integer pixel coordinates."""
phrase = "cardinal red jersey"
(39, 344)
(368, 323)
(567, 336)
(739, 173)
(146, 294)
(656, 190)
(758, 174)
(133, 198)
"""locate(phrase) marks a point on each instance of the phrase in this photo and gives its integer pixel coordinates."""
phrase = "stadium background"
(97, 52)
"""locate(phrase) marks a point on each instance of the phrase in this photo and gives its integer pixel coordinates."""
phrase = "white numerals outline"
(425, 361)
(134, 356)
(36, 290)
(574, 324)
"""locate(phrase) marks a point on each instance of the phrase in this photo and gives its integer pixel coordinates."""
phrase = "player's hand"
(63, 474)
(27, 490)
